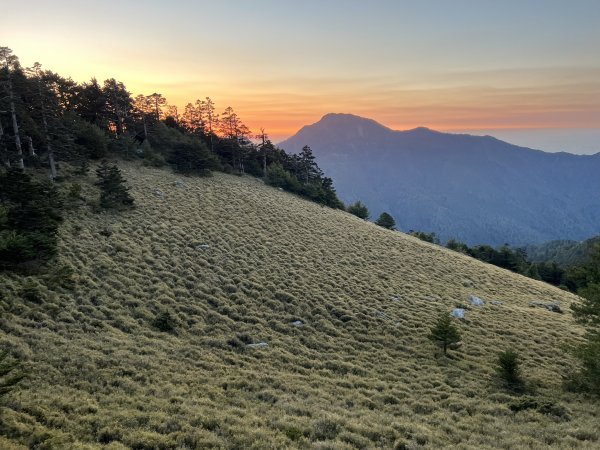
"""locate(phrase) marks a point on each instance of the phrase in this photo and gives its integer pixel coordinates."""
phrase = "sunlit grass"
(360, 372)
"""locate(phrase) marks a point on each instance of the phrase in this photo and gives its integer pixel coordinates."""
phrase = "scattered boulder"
(202, 247)
(552, 306)
(396, 298)
(476, 301)
(497, 302)
(158, 193)
(258, 345)
(298, 323)
(179, 184)
(459, 313)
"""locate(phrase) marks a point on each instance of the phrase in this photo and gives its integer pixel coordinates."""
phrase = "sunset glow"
(448, 66)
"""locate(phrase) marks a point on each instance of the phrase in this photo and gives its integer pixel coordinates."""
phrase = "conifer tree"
(385, 220)
(113, 191)
(444, 333)
(359, 210)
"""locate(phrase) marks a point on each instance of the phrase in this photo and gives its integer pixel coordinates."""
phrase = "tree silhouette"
(385, 220)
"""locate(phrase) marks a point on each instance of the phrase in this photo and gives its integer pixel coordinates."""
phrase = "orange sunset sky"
(511, 68)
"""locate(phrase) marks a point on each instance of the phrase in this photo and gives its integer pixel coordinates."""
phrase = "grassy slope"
(360, 373)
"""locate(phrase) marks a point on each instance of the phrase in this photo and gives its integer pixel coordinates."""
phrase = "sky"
(527, 71)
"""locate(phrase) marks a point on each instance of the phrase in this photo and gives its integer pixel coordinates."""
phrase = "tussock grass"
(359, 373)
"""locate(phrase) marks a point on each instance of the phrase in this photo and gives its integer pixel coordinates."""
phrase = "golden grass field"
(360, 373)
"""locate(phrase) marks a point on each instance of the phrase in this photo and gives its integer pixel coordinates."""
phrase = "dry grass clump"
(147, 346)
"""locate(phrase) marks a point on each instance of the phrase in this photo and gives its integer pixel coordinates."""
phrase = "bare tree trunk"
(51, 162)
(15, 125)
(145, 127)
(263, 136)
(30, 146)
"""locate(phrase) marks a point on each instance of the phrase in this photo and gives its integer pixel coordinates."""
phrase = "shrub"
(165, 322)
(10, 374)
(75, 191)
(508, 368)
(543, 406)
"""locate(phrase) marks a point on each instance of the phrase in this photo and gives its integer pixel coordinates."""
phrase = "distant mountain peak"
(346, 120)
(477, 189)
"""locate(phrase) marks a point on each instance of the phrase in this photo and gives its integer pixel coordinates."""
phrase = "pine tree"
(359, 210)
(509, 368)
(113, 191)
(385, 220)
(444, 333)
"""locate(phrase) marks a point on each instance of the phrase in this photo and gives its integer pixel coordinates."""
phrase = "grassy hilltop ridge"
(227, 261)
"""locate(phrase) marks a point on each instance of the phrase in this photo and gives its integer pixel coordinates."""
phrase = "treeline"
(46, 119)
(516, 260)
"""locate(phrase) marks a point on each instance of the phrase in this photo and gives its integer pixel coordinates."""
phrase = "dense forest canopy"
(46, 119)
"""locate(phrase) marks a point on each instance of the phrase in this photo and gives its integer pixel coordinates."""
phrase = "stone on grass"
(298, 323)
(459, 313)
(179, 183)
(497, 302)
(258, 345)
(158, 193)
(476, 301)
(202, 247)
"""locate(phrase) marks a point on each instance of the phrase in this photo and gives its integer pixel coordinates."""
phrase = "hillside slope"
(237, 262)
(476, 189)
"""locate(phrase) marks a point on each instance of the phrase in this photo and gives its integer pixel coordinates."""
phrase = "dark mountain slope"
(474, 188)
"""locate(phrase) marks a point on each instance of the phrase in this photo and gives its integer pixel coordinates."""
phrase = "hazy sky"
(529, 69)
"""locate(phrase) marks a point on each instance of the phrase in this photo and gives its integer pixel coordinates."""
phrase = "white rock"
(476, 301)
(459, 313)
(258, 345)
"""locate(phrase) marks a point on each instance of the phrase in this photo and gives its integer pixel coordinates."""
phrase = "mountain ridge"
(478, 189)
